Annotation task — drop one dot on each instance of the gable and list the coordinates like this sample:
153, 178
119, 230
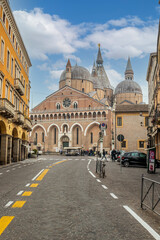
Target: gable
68, 95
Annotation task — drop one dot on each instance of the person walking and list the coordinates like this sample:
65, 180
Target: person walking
104, 154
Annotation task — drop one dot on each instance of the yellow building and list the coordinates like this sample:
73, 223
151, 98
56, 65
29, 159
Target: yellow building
153, 79
14, 89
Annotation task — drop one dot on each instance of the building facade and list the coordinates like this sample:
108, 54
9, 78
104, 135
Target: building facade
14, 89
71, 116
130, 114
153, 78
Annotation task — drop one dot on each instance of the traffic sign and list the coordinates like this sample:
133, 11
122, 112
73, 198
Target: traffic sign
120, 138
103, 126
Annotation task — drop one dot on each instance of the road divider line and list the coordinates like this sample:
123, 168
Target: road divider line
104, 187
37, 175
92, 174
1, 173
8, 204
8, 171
98, 180
143, 223
27, 194
28, 184
18, 204
42, 175
4, 222
34, 185
113, 195
20, 193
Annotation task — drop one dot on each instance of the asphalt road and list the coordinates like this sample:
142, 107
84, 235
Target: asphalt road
62, 198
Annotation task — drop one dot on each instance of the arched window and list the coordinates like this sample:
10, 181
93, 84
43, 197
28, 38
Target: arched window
91, 137
77, 135
43, 137
58, 106
75, 105
55, 136
35, 140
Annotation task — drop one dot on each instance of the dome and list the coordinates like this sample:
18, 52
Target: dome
77, 72
128, 86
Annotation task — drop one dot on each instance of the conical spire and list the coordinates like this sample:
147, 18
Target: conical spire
129, 71
94, 70
99, 57
129, 66
68, 64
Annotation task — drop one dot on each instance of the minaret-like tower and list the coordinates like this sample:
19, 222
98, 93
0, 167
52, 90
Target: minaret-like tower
94, 70
68, 73
129, 74
99, 60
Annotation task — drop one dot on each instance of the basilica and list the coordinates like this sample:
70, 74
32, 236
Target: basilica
71, 116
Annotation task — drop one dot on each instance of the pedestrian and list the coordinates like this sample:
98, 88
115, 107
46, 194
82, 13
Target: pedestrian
113, 154
104, 154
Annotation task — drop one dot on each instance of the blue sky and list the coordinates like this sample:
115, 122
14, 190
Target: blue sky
56, 30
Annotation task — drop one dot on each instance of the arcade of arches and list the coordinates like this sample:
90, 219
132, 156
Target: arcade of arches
13, 143
50, 137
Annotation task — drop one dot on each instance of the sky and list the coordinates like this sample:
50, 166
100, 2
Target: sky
55, 30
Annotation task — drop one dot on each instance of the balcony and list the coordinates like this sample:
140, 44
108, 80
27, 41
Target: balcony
27, 124
6, 108
19, 86
18, 118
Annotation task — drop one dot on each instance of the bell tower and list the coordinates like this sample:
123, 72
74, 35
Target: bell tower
68, 73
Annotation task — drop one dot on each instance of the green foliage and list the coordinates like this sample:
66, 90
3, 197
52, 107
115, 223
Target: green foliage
35, 151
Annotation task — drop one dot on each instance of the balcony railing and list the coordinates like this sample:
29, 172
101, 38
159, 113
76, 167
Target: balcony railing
70, 110
18, 118
19, 86
27, 124
6, 108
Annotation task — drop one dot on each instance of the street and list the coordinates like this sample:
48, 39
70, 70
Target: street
58, 197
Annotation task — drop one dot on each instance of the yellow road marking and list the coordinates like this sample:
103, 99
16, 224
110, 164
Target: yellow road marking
27, 193
4, 222
18, 204
42, 175
34, 185
59, 162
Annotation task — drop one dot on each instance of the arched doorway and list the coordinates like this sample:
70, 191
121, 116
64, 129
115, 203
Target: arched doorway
65, 141
15, 154
3, 143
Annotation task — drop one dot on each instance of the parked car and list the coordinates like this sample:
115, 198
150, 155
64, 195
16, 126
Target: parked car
134, 158
119, 157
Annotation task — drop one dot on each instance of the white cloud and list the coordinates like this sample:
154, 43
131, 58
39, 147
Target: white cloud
46, 35
114, 77
124, 42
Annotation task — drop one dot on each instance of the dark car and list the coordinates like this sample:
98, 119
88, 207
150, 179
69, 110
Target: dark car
134, 158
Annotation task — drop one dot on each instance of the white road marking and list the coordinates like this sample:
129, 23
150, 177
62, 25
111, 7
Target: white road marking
8, 171
24, 165
13, 169
20, 193
98, 180
113, 195
76, 159
1, 173
92, 174
8, 204
143, 223
37, 175
83, 159
104, 187
28, 184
